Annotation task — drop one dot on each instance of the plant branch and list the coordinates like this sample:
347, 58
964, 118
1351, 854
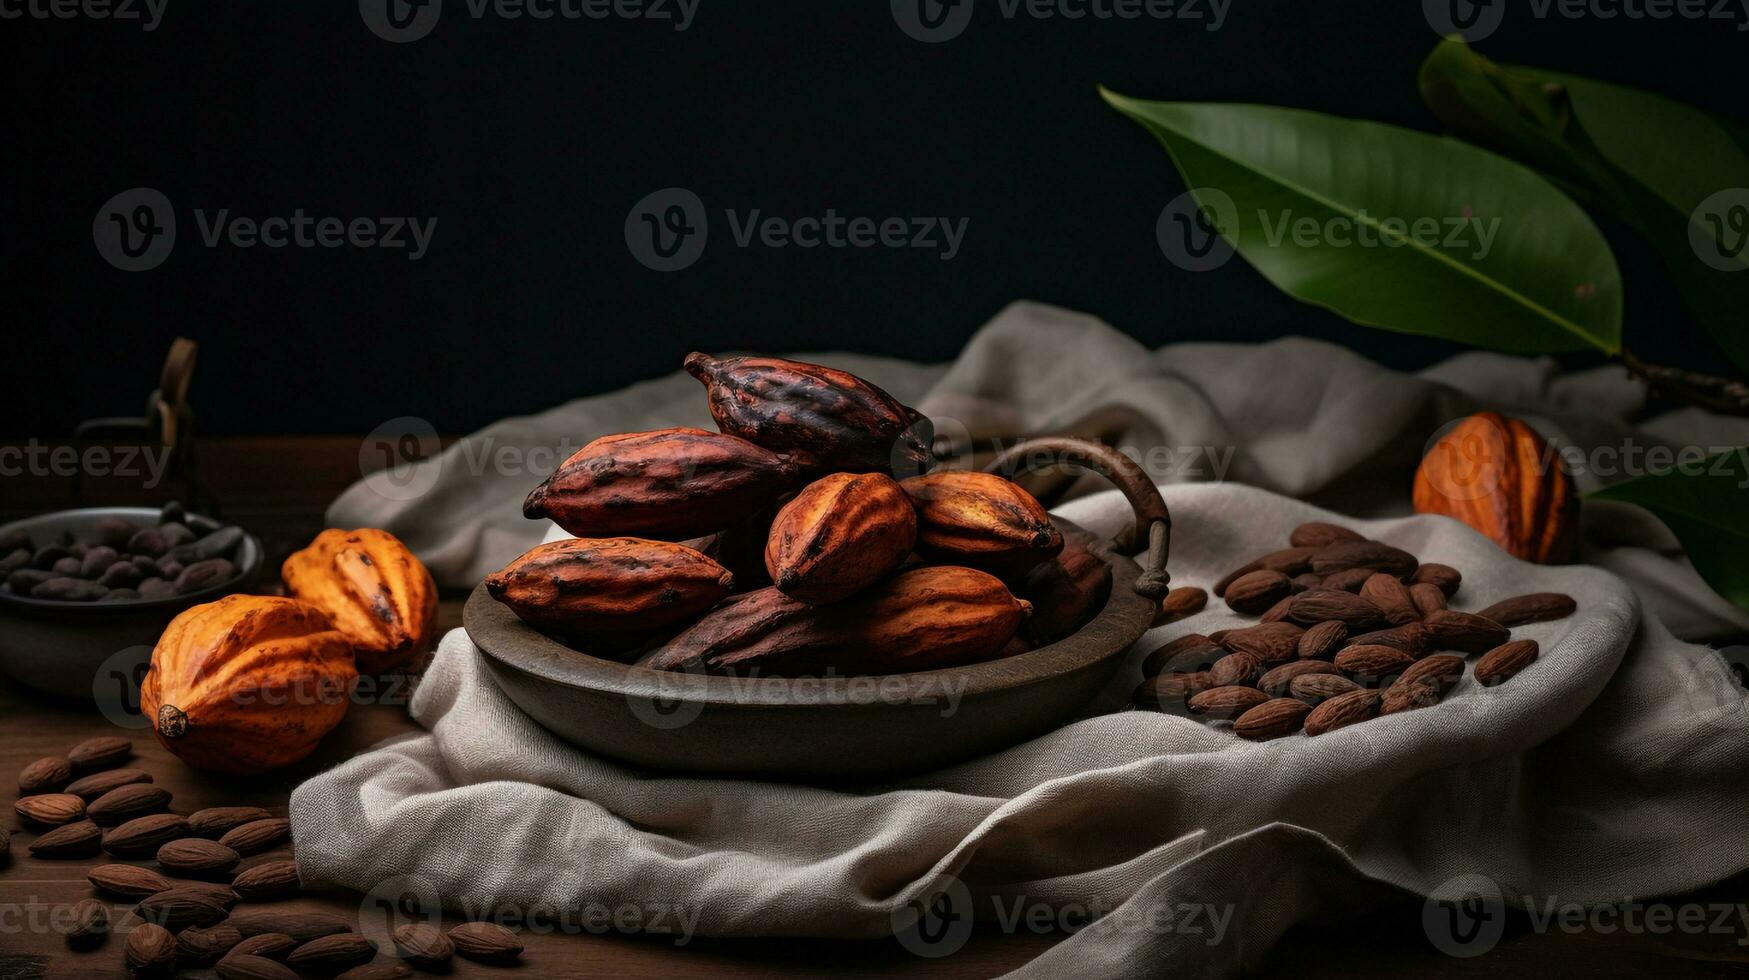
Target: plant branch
1722, 395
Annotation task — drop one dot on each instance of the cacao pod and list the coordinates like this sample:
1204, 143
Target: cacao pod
374, 590
937, 616
831, 420
1065, 592
609, 593
740, 548
1499, 476
982, 521
248, 683
670, 484
841, 534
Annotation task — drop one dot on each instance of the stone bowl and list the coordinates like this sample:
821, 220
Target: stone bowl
833, 728
96, 651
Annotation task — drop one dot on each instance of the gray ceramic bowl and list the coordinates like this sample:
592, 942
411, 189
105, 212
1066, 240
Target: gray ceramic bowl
843, 728
831, 728
85, 650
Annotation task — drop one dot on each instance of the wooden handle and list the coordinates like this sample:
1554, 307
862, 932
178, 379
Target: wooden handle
1153, 527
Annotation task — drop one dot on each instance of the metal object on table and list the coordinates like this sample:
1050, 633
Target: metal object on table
167, 423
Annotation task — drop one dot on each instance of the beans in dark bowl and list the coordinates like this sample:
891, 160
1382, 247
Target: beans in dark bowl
120, 560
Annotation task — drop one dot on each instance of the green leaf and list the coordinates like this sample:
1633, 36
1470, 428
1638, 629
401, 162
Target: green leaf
1704, 507
1658, 165
1514, 264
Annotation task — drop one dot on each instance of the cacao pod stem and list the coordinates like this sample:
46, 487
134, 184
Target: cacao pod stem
172, 721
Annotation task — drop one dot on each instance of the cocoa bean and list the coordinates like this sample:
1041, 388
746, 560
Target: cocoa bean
69, 590
204, 574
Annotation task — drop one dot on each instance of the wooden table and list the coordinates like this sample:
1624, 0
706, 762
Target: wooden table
279, 487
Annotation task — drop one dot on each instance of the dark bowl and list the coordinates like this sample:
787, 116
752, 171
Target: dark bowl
830, 728
82, 649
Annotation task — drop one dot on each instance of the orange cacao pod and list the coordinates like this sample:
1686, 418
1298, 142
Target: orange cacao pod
983, 521
832, 420
1499, 476
922, 619
841, 534
248, 683
373, 590
609, 593
670, 484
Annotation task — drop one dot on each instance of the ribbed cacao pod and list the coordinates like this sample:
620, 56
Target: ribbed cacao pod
831, 420
740, 548
374, 590
982, 521
841, 534
937, 616
670, 484
1065, 592
248, 683
609, 593
1499, 476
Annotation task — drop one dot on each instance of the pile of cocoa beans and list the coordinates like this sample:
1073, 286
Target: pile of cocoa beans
1351, 629
806, 536
118, 560
205, 889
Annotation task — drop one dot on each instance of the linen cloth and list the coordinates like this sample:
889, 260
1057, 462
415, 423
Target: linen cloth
1613, 767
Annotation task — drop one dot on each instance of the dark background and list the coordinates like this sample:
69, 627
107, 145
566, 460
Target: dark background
529, 141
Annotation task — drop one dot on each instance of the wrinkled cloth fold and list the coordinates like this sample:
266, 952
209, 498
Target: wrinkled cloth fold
1611, 767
